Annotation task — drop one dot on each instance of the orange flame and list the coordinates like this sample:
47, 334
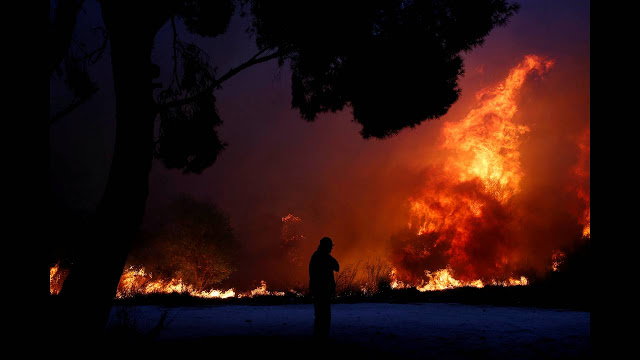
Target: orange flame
261, 291
557, 258
136, 281
442, 279
485, 143
483, 168
56, 279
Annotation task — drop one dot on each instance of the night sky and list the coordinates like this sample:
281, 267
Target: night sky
342, 186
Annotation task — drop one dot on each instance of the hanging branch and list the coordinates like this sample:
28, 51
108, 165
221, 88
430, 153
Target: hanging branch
254, 60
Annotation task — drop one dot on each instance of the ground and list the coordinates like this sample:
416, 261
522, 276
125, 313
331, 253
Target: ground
434, 330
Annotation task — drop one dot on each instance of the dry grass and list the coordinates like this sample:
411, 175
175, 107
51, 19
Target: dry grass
364, 277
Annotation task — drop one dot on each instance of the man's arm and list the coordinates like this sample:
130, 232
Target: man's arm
335, 266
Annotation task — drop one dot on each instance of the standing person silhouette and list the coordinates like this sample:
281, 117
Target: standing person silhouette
322, 286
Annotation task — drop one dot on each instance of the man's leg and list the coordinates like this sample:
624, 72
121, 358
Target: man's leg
325, 317
322, 323
317, 318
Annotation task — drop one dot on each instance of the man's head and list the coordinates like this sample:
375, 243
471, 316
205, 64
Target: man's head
326, 244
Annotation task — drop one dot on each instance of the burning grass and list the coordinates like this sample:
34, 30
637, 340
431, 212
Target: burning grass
136, 281
566, 287
549, 294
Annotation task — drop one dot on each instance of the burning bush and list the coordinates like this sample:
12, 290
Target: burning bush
197, 247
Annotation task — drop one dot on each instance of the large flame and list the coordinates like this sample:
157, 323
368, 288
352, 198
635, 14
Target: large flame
485, 143
469, 194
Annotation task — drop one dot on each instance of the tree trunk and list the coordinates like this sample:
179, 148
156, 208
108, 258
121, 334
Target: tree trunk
89, 290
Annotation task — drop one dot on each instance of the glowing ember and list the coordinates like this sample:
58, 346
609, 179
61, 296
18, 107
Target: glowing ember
290, 218
557, 258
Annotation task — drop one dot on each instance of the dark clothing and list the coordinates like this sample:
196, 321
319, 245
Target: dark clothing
321, 268
322, 286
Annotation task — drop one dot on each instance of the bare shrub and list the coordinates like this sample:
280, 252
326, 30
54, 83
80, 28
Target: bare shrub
377, 273
368, 277
346, 279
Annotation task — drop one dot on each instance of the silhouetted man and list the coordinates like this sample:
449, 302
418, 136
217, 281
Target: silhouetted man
322, 286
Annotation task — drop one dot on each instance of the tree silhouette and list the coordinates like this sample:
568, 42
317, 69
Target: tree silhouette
396, 63
196, 245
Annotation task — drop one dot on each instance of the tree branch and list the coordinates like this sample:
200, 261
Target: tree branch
254, 60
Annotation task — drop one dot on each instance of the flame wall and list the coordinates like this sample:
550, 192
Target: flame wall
469, 215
